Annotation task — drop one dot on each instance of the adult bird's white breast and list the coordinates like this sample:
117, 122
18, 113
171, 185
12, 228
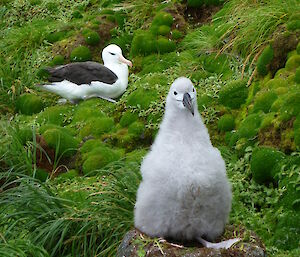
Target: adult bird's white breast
184, 193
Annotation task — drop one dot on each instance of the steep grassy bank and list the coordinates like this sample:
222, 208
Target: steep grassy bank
69, 173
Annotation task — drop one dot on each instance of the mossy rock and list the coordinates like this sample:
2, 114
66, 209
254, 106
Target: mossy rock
136, 129
264, 101
263, 160
81, 54
89, 145
293, 25
165, 45
162, 30
290, 106
286, 234
250, 125
99, 157
277, 82
70, 174
293, 62
92, 38
63, 143
162, 18
29, 104
297, 75
226, 123
128, 118
176, 34
46, 126
162, 62
268, 120
58, 115
143, 43
234, 94
264, 59
84, 113
57, 60
97, 127
55, 36
142, 98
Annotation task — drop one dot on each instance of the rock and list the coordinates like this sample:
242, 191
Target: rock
136, 244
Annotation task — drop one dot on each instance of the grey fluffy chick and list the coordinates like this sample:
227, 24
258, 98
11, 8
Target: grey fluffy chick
184, 193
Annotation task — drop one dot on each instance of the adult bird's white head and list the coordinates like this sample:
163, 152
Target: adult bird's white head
113, 54
182, 96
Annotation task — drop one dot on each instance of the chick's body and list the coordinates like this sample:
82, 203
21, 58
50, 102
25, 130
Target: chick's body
184, 193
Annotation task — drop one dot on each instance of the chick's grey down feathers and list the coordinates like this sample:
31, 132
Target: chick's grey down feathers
184, 193
82, 73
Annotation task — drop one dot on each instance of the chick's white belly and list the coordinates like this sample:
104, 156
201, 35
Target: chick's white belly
182, 208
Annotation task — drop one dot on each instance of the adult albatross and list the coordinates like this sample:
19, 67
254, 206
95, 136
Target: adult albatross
84, 80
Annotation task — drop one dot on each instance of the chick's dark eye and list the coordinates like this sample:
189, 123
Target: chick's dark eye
112, 53
193, 89
175, 93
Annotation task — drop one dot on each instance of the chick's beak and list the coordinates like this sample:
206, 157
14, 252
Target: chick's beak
187, 102
123, 60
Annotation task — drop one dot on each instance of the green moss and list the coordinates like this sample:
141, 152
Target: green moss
287, 231
162, 18
250, 125
46, 127
268, 120
58, 115
29, 104
264, 101
92, 38
234, 94
199, 3
80, 54
297, 75
58, 60
136, 155
200, 74
142, 97
205, 101
137, 128
226, 123
176, 34
298, 49
77, 15
262, 162
63, 143
99, 158
165, 45
276, 82
70, 174
290, 106
128, 118
164, 30
293, 25
162, 62
297, 137
143, 43
97, 126
89, 145
293, 62
55, 36
264, 59
42, 73
277, 104
84, 113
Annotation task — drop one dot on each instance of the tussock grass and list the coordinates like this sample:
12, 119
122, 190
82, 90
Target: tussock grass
80, 226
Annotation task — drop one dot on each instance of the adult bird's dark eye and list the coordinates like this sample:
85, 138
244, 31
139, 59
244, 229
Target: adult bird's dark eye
175, 93
112, 53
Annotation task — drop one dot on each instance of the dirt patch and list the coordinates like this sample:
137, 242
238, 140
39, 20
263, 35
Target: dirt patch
177, 11
200, 15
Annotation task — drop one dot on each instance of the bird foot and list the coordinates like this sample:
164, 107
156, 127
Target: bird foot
224, 244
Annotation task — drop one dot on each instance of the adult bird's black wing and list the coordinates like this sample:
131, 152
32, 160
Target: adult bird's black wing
82, 73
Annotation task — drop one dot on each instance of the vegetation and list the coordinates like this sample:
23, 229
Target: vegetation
69, 173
